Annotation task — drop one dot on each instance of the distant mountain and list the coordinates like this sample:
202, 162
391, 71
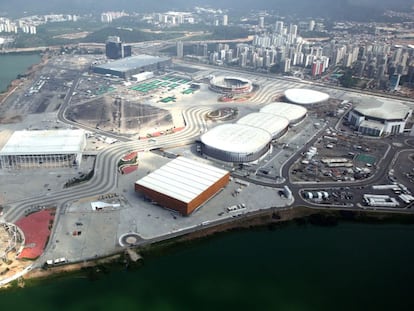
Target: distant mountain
334, 8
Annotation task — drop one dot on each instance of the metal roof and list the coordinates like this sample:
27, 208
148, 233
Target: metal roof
269, 122
290, 111
305, 96
237, 138
182, 179
45, 142
132, 62
383, 109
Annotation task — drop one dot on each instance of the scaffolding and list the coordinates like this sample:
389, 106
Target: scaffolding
10, 239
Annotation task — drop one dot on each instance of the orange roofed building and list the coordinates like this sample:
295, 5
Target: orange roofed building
183, 184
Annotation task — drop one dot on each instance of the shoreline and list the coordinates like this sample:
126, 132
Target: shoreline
270, 220
20, 78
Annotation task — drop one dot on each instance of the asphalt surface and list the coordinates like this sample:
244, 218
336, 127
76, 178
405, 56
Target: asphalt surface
105, 179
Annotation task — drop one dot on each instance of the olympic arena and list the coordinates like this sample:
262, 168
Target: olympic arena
276, 125
230, 85
305, 96
379, 117
250, 137
293, 113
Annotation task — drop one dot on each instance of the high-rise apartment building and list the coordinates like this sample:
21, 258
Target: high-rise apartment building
180, 49
261, 22
225, 20
116, 49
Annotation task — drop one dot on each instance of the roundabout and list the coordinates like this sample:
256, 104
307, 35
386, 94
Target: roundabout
129, 239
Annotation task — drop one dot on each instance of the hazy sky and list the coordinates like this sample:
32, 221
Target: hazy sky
283, 6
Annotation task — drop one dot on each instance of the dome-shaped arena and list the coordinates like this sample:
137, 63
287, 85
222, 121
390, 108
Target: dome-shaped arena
380, 117
230, 85
275, 125
383, 110
235, 143
305, 96
293, 113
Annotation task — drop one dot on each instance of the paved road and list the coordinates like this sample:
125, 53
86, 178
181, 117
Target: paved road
105, 175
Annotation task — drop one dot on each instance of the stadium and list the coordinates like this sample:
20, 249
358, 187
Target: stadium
127, 67
230, 85
182, 184
31, 149
236, 143
276, 125
379, 117
250, 138
293, 113
305, 96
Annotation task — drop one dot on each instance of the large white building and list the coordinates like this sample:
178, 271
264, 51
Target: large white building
275, 125
305, 96
236, 143
293, 113
56, 148
379, 117
250, 138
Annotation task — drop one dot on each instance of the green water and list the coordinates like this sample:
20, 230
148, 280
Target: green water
348, 267
13, 64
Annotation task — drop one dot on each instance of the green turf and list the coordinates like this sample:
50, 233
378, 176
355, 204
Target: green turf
366, 158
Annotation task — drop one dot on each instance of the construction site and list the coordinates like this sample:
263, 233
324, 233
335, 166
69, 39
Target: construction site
117, 115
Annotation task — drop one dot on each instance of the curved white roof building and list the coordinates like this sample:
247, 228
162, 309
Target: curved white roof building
383, 110
379, 117
236, 143
293, 113
305, 96
275, 125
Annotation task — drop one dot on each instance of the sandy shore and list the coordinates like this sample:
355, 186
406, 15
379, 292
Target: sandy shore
46, 273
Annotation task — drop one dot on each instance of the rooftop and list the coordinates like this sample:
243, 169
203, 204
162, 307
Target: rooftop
289, 111
383, 109
182, 179
132, 62
44, 142
237, 138
272, 123
305, 96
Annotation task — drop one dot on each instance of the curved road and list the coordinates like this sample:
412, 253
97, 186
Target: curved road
105, 175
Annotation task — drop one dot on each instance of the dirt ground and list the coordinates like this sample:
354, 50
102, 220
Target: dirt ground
117, 115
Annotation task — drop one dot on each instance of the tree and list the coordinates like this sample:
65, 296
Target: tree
347, 80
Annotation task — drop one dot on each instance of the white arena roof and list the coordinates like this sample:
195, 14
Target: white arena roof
45, 142
292, 112
236, 138
268, 122
383, 109
182, 179
305, 96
